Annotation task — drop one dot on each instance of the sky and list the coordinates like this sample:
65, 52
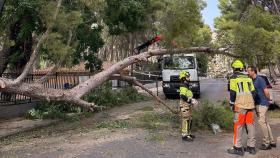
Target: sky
210, 12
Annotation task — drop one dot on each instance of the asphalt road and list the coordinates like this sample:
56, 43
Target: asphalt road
214, 89
211, 89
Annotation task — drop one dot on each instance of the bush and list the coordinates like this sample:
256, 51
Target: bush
45, 110
105, 96
209, 113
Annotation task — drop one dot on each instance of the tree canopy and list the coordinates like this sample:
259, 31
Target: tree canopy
251, 29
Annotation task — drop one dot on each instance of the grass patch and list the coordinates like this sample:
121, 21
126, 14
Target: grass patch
157, 121
274, 113
147, 108
123, 124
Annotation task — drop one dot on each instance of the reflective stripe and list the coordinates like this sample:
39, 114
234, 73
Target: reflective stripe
241, 84
231, 102
249, 86
240, 87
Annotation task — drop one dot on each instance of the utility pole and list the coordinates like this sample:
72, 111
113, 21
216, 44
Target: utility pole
2, 2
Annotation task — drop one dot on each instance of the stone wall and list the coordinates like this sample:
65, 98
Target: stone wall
219, 66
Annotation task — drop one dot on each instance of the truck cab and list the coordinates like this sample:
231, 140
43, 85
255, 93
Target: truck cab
172, 65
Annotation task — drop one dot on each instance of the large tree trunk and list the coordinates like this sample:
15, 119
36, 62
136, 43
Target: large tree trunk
74, 95
276, 8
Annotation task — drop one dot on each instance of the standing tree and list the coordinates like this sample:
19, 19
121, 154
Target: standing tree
249, 28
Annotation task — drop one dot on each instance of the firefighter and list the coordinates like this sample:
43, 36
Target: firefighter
242, 94
186, 100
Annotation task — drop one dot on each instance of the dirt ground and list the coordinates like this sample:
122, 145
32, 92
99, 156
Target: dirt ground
108, 134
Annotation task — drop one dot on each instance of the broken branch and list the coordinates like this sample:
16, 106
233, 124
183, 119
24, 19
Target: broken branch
133, 80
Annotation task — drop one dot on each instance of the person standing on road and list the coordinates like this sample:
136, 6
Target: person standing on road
242, 102
186, 99
262, 102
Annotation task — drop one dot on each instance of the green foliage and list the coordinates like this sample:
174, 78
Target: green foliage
26, 10
180, 21
81, 26
46, 110
124, 16
202, 61
203, 38
89, 39
105, 96
72, 36
209, 113
274, 113
158, 121
251, 29
19, 20
113, 124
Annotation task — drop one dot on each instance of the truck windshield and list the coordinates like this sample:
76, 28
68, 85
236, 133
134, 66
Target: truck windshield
179, 62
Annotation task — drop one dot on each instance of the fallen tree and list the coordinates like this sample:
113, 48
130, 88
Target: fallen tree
74, 95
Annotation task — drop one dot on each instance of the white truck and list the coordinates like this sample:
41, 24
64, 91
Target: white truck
172, 65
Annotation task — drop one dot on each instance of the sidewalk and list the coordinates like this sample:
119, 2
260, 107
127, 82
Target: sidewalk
13, 126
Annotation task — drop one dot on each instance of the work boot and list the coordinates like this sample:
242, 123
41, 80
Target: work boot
187, 138
265, 147
236, 151
273, 145
251, 150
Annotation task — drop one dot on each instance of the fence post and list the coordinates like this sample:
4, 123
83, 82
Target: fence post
157, 84
32, 78
55, 84
15, 101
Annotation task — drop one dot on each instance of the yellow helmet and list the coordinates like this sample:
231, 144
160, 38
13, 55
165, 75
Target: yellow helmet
237, 64
184, 74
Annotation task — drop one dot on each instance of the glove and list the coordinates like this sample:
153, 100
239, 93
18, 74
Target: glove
194, 102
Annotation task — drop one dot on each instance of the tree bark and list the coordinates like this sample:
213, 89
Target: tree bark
103, 76
276, 8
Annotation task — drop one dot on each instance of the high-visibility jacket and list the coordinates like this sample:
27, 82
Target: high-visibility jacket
185, 93
241, 91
